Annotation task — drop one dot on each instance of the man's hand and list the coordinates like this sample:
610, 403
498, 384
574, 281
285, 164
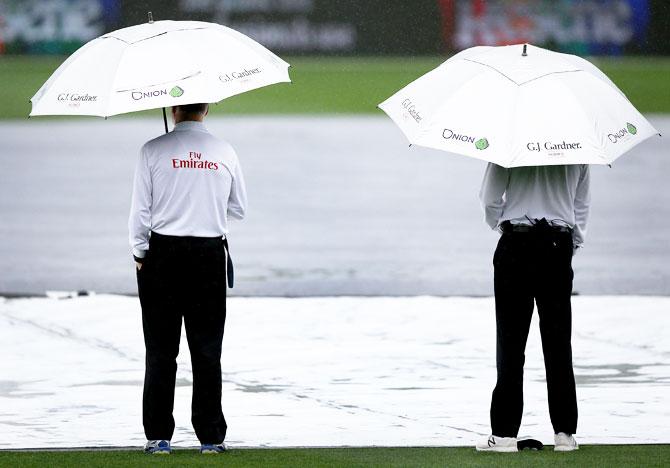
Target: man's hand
139, 261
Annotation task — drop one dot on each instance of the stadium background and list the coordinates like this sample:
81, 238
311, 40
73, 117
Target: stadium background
354, 27
347, 56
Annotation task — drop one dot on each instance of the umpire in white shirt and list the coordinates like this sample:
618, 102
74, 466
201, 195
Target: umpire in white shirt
542, 214
187, 185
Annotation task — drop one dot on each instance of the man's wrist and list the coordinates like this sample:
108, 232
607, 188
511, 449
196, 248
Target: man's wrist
139, 255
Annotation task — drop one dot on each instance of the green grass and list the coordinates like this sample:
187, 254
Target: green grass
587, 456
338, 85
645, 81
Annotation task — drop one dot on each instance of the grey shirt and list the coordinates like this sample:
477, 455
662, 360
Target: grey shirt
561, 194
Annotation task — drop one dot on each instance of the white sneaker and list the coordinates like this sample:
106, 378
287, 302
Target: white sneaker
564, 442
497, 444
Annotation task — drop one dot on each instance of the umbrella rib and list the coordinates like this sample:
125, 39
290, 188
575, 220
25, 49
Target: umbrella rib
151, 37
163, 33
552, 73
114, 37
113, 82
492, 68
524, 82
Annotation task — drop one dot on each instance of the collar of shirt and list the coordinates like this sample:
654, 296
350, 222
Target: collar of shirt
190, 125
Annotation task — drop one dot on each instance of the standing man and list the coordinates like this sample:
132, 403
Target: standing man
187, 185
542, 214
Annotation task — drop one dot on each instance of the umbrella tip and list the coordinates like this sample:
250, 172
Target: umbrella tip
151, 17
523, 54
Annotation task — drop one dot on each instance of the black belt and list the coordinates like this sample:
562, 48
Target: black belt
509, 227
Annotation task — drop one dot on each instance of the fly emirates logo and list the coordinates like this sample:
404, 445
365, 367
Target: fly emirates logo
194, 161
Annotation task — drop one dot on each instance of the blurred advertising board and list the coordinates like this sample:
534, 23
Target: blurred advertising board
357, 27
299, 26
54, 26
585, 27
317, 27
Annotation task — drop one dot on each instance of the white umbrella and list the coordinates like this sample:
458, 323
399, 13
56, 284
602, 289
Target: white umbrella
158, 64
519, 105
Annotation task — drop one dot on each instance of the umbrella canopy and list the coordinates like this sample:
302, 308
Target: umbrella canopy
158, 64
519, 105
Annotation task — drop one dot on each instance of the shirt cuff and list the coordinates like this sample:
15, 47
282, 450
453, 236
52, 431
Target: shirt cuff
139, 254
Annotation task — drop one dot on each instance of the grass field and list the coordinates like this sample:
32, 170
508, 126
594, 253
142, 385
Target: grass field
588, 456
338, 85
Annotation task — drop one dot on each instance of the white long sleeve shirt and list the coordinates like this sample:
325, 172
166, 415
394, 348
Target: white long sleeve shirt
187, 183
561, 194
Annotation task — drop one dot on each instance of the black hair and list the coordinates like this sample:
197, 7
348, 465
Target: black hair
191, 109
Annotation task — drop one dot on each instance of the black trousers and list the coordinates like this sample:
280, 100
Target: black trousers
183, 277
533, 266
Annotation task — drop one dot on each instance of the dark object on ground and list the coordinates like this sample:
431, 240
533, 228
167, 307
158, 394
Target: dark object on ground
529, 444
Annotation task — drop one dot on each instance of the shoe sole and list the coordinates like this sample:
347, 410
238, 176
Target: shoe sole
159, 452
565, 449
212, 452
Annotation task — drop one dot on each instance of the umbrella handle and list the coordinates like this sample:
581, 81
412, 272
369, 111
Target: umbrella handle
165, 120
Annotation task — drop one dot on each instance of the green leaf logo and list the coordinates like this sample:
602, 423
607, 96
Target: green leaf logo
631, 128
482, 144
176, 91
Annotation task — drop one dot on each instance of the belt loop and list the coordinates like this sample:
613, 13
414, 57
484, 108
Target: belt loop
229, 264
